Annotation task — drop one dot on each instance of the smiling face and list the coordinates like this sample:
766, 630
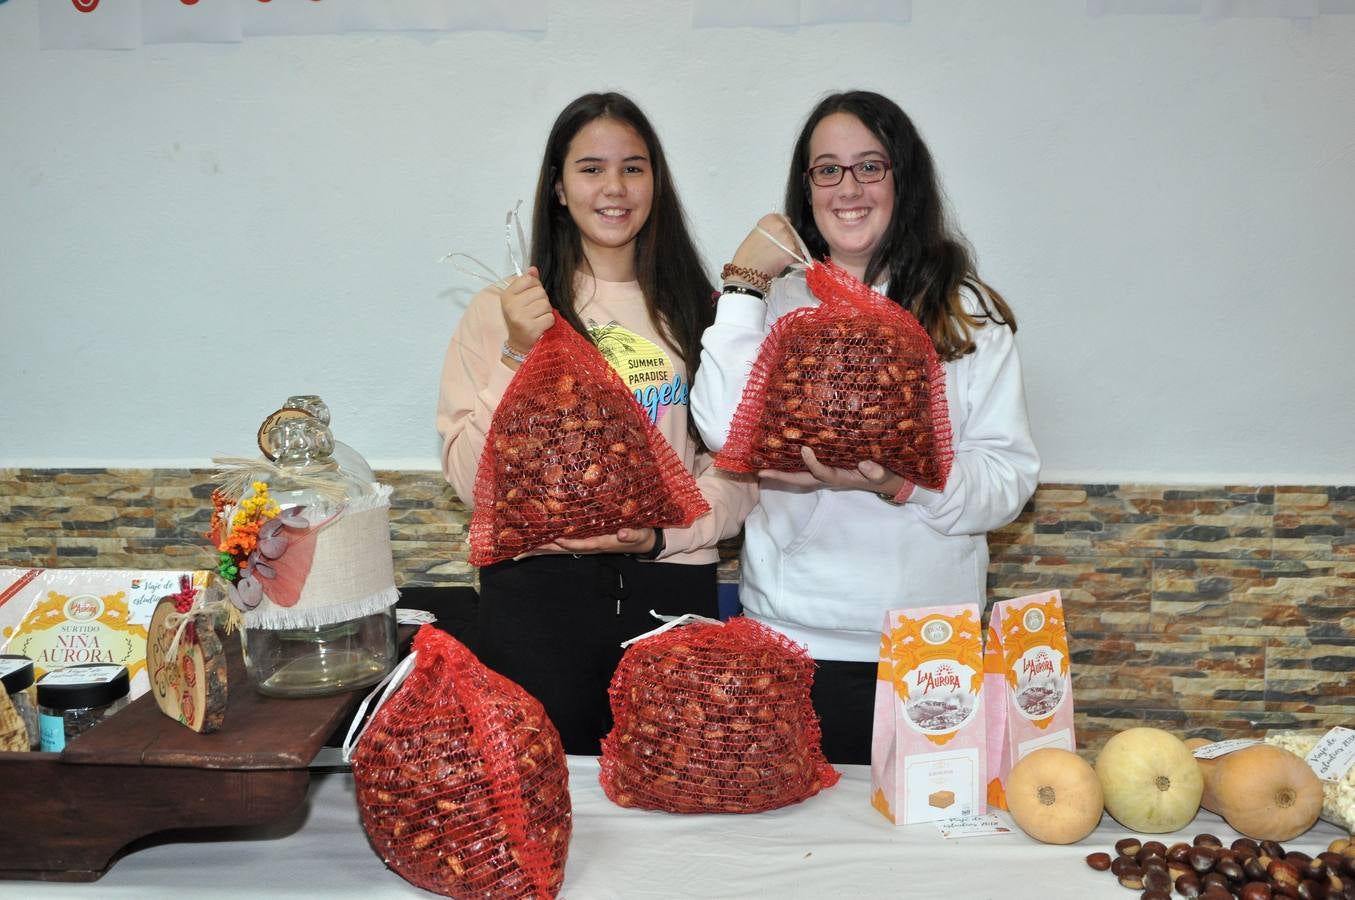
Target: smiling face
852, 217
607, 183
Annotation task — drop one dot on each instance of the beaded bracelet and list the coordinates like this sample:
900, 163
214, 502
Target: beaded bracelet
513, 354
760, 280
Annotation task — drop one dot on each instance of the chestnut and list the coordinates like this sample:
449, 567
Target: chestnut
1099, 861
1282, 872
1128, 846
1132, 878
1188, 885
1231, 870
1312, 890
1201, 858
1157, 880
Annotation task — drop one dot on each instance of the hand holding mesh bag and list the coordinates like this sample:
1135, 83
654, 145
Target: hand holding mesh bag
461, 780
713, 717
571, 454
855, 378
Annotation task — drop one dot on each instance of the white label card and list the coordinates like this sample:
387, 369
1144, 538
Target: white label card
1334, 754
13, 664
1220, 748
82, 675
972, 826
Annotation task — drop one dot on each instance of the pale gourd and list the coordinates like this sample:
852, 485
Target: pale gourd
1054, 796
1263, 792
1150, 780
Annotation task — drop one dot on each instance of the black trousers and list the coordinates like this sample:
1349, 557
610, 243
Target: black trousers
844, 698
554, 624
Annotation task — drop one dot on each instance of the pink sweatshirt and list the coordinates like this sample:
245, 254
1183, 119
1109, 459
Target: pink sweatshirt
474, 379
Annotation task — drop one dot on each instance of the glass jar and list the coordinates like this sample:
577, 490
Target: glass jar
349, 460
339, 633
75, 699
16, 676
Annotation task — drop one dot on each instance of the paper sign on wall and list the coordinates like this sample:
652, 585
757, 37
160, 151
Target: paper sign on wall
177, 22
443, 15
89, 24
754, 13
127, 24
291, 17
825, 12
793, 13
1143, 7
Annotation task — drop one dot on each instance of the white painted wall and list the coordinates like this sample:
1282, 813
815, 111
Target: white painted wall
189, 233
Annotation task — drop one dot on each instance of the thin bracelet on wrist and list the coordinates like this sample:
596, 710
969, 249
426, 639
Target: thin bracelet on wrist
512, 354
731, 288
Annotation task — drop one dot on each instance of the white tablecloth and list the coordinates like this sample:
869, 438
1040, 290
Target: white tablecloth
832, 845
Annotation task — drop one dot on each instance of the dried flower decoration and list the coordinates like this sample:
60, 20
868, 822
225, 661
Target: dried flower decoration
248, 538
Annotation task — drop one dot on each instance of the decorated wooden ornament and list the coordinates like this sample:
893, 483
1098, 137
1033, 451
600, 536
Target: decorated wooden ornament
186, 661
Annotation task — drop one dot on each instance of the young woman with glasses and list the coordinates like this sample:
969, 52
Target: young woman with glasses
828, 551
610, 252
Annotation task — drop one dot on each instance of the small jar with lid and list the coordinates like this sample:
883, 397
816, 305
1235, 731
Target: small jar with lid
75, 699
16, 675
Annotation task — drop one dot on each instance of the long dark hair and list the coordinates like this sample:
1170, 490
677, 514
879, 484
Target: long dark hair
925, 259
671, 275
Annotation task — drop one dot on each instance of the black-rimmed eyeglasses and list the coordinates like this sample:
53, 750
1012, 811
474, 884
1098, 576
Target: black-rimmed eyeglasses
867, 171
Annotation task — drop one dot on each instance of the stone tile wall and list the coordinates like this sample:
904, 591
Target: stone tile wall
1217, 611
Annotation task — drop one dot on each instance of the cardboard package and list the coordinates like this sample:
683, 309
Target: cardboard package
927, 757
1027, 685
59, 617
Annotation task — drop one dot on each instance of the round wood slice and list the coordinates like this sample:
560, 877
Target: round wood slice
190, 687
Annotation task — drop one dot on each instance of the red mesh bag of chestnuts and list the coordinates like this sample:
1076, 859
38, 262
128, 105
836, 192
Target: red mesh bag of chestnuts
571, 454
713, 717
855, 378
461, 780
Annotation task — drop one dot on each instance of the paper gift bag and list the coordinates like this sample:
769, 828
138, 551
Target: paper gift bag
927, 749
1027, 683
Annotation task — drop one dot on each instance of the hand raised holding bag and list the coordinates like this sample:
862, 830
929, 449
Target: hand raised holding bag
526, 311
761, 255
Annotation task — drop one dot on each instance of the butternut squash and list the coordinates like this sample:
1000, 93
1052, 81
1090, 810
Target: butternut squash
1263, 792
1054, 796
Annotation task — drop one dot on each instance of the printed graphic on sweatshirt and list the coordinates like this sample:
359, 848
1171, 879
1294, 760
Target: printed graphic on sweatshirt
644, 367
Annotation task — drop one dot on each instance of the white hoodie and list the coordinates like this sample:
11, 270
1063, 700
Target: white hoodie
822, 566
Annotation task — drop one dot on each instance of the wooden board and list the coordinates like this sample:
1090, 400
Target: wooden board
69, 823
